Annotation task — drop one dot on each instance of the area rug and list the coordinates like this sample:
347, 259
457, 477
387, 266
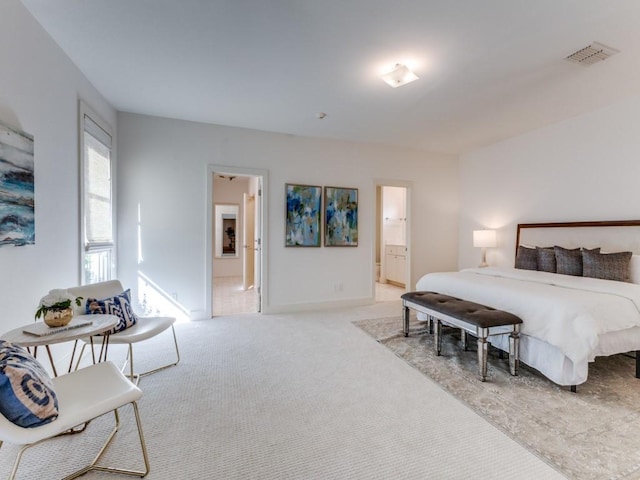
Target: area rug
591, 434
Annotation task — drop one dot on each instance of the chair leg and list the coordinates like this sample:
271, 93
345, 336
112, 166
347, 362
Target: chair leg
93, 465
12, 475
132, 374
101, 468
135, 377
172, 364
14, 470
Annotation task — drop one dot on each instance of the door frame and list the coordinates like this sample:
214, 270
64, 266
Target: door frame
380, 182
263, 176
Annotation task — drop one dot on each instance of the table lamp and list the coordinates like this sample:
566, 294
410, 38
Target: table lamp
484, 239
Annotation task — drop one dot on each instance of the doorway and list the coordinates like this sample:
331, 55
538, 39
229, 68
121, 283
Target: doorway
236, 247
392, 246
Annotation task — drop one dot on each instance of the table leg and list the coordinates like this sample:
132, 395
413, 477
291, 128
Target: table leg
73, 354
53, 365
104, 348
93, 352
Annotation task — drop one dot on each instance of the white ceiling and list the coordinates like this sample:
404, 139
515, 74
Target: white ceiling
489, 69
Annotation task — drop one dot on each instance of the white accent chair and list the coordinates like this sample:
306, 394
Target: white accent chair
145, 328
83, 395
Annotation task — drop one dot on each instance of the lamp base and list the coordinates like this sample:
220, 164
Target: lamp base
484, 258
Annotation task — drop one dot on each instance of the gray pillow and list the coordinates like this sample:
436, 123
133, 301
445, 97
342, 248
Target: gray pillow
546, 259
526, 258
607, 266
568, 261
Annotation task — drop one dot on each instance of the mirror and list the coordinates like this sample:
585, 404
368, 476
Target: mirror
226, 244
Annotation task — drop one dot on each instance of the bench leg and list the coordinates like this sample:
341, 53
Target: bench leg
514, 350
438, 336
405, 320
483, 349
463, 339
431, 320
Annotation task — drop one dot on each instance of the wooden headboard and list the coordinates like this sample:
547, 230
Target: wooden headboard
611, 236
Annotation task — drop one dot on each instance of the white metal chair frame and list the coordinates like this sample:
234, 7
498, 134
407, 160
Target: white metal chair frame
83, 395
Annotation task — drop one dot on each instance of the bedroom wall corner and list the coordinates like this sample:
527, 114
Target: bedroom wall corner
582, 169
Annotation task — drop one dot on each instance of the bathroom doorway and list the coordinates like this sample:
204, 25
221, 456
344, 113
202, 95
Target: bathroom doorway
392, 245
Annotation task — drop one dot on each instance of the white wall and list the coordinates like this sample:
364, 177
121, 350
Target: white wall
585, 168
39, 92
162, 168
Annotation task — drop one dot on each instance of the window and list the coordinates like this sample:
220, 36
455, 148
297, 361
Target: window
98, 249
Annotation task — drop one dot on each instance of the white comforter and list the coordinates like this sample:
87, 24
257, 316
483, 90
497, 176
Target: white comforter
565, 311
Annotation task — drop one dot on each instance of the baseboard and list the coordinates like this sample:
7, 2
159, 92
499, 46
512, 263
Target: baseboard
304, 307
198, 315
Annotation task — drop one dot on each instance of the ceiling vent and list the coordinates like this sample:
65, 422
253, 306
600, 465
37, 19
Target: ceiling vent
596, 52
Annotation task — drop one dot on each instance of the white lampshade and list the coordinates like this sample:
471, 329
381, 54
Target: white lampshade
484, 238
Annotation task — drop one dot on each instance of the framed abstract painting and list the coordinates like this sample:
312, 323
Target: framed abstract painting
340, 217
17, 214
303, 211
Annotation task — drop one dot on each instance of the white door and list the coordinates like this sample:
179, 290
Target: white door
249, 227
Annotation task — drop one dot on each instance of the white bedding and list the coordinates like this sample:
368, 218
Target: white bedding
565, 318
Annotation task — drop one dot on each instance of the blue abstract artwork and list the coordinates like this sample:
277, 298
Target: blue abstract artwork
17, 216
341, 217
304, 206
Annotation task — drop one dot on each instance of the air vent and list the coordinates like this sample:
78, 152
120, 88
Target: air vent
596, 52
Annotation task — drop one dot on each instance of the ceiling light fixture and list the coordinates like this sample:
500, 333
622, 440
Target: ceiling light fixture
399, 75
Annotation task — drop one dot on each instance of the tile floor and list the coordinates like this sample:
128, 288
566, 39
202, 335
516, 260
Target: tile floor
385, 292
229, 298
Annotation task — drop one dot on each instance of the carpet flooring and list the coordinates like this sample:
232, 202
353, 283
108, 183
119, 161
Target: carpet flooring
285, 397
591, 434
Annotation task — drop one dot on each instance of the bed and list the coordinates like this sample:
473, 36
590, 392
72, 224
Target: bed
568, 319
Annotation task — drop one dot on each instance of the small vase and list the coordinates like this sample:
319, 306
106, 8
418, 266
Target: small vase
58, 318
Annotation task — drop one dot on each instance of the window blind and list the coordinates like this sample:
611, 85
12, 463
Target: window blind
97, 186
97, 132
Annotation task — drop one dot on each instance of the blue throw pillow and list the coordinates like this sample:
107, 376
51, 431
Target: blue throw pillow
27, 397
120, 306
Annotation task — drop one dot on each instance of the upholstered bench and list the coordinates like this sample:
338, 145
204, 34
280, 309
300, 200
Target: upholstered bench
474, 318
